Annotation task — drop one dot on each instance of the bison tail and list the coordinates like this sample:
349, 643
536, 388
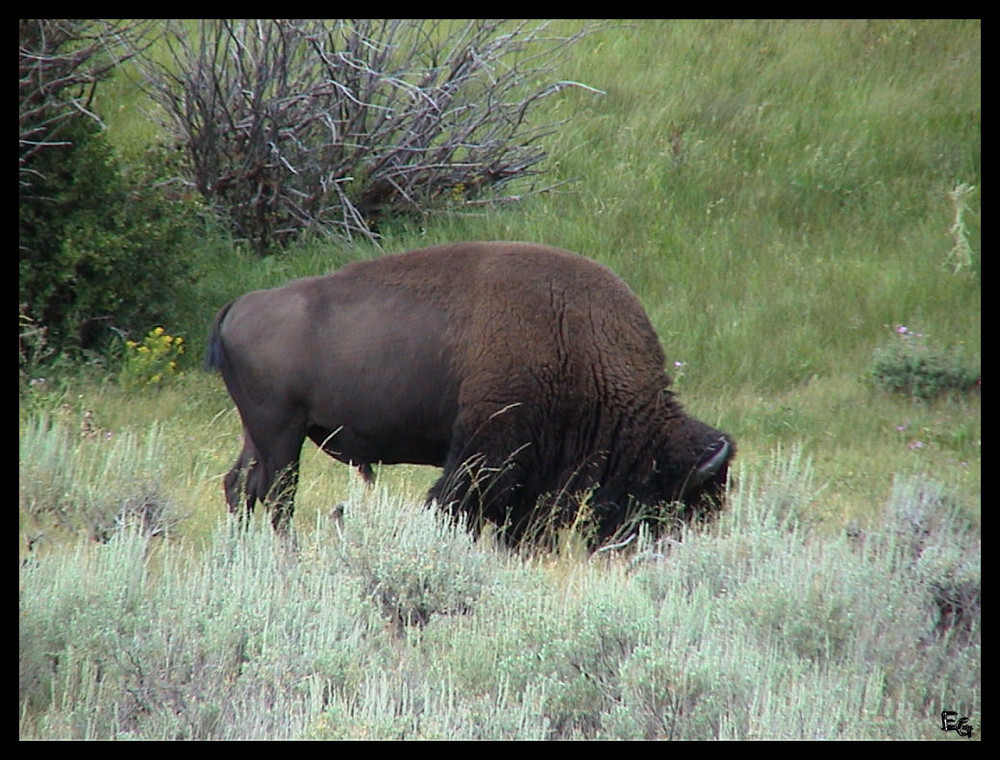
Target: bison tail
215, 352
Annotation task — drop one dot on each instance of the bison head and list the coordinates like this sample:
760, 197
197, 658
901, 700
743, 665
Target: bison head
684, 482
692, 468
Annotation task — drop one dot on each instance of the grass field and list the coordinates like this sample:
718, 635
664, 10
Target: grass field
790, 201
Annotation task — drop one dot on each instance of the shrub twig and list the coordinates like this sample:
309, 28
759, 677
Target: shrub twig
296, 126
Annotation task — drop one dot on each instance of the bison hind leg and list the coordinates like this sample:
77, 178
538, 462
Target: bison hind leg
270, 479
367, 473
241, 484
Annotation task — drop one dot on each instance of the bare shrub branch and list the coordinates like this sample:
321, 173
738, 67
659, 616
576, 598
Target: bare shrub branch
330, 125
60, 62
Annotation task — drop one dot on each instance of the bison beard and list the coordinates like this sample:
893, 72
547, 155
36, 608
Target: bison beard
532, 375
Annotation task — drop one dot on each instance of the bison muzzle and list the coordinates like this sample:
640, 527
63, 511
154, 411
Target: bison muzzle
532, 375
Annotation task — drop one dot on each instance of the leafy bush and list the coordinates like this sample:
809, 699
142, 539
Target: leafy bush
916, 369
236, 642
93, 482
414, 561
152, 362
99, 247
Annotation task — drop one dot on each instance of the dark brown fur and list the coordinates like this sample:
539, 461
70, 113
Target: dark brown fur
524, 371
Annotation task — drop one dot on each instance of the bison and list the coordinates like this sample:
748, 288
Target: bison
531, 374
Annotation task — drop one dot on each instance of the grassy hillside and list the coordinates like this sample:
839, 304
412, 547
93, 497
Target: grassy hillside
778, 195
793, 202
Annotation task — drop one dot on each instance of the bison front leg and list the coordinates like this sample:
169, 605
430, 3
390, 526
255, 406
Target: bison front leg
484, 487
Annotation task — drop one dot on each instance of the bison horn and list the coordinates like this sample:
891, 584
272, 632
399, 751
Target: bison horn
710, 467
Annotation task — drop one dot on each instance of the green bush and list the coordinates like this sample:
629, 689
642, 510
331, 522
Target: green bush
250, 645
96, 482
916, 369
100, 247
153, 361
415, 562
